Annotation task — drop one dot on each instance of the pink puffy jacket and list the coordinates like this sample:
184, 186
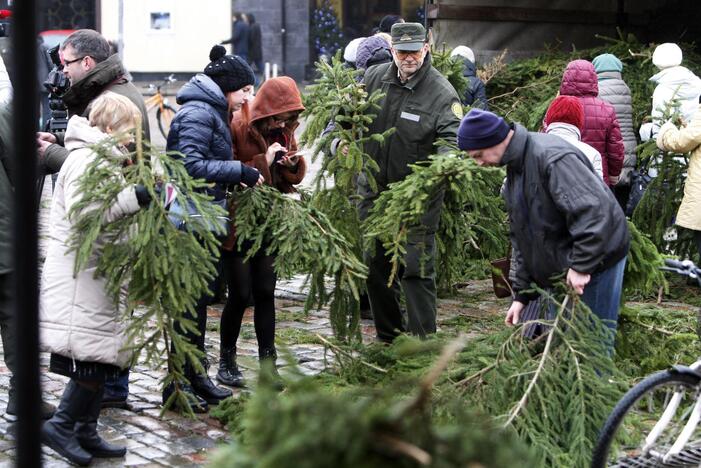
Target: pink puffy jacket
601, 129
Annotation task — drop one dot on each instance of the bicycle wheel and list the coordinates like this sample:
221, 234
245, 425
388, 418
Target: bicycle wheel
164, 118
625, 438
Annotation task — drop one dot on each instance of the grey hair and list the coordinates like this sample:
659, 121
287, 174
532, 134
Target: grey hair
87, 42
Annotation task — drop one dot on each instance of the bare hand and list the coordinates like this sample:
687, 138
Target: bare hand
514, 313
289, 160
41, 146
260, 181
577, 281
613, 180
270, 153
45, 136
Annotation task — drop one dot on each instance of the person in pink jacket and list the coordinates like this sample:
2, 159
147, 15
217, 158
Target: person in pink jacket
601, 129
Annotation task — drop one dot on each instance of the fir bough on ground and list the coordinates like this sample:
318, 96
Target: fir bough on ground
533, 388
166, 269
652, 338
316, 427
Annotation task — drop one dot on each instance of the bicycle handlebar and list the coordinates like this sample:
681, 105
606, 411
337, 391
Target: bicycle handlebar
683, 267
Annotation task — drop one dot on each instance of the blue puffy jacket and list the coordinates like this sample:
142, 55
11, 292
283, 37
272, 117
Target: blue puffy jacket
201, 132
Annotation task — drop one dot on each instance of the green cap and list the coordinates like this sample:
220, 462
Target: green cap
408, 36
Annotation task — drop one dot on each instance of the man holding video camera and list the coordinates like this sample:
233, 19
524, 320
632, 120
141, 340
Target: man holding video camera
91, 70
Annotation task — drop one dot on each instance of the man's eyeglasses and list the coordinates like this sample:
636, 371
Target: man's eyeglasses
402, 54
68, 62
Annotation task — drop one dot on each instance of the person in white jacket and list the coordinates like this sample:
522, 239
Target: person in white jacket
565, 118
678, 88
80, 324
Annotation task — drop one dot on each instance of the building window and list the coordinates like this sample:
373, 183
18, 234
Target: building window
160, 21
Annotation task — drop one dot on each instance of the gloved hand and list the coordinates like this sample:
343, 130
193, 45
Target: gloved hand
142, 196
249, 175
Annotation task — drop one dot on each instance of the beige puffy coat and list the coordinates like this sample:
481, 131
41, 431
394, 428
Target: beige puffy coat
77, 318
683, 140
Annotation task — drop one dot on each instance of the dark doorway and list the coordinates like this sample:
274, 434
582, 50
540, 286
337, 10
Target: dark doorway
361, 16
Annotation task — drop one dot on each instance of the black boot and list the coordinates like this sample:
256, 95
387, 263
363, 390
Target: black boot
197, 404
268, 369
47, 409
86, 432
59, 431
205, 388
229, 373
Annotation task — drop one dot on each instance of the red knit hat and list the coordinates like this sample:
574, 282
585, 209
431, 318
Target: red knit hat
566, 109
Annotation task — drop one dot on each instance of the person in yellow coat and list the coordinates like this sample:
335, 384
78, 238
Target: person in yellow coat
683, 140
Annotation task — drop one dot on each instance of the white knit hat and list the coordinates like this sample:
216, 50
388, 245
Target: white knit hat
667, 55
351, 49
464, 51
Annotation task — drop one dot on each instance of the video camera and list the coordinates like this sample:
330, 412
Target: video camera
57, 84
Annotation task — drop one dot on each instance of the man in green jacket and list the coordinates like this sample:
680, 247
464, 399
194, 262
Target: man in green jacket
423, 107
91, 70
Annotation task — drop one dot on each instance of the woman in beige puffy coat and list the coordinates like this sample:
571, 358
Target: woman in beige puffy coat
80, 325
683, 140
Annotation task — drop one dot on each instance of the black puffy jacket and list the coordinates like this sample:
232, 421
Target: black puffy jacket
562, 214
201, 132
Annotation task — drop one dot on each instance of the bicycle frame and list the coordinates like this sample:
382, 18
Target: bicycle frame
661, 425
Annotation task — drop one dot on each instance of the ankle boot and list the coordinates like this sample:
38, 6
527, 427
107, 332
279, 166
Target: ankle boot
197, 404
47, 410
86, 432
205, 388
268, 369
229, 373
59, 431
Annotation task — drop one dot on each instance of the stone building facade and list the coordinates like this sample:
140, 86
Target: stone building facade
274, 18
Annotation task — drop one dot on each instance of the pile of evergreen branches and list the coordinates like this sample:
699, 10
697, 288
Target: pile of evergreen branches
529, 387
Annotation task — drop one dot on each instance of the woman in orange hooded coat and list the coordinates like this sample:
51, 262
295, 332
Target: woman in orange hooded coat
263, 137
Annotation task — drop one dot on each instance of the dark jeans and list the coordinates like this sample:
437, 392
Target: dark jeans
117, 389
9, 343
697, 239
417, 279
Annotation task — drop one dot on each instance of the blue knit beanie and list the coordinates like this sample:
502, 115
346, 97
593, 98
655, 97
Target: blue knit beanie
481, 129
607, 62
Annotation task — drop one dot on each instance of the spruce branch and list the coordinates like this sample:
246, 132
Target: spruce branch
154, 273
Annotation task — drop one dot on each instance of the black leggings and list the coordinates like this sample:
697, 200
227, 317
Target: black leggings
256, 275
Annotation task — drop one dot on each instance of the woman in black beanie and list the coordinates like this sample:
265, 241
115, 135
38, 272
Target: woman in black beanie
200, 131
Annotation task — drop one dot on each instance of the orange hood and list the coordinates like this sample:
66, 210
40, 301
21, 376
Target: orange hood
276, 96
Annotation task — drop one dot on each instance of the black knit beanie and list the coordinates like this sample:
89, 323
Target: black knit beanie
229, 72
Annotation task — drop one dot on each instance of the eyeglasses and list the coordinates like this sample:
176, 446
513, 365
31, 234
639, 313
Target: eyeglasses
287, 120
402, 54
68, 62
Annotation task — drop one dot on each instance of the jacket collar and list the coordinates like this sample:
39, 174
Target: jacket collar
391, 75
564, 130
93, 84
516, 151
609, 75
